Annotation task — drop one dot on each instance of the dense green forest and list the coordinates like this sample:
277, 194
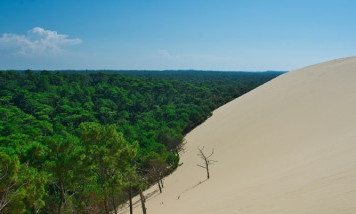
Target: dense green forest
84, 142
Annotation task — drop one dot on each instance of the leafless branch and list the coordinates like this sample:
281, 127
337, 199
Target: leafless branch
201, 166
7, 169
206, 159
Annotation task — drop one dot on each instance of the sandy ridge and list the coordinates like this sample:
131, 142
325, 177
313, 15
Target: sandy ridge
288, 146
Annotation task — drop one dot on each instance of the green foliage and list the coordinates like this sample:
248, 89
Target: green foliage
109, 156
75, 142
65, 164
21, 187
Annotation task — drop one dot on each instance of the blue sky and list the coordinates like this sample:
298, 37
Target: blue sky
174, 34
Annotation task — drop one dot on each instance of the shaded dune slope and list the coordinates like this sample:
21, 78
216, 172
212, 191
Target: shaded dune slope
288, 146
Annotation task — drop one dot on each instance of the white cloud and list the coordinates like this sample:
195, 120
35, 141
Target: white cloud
37, 41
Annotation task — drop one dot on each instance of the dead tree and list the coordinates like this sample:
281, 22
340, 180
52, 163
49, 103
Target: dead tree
159, 170
180, 147
206, 159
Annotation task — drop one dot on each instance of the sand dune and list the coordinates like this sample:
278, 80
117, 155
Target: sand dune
288, 146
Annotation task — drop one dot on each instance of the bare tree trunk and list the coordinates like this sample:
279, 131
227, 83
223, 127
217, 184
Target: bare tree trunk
59, 207
130, 199
114, 203
62, 198
106, 203
162, 183
33, 208
143, 202
207, 170
159, 186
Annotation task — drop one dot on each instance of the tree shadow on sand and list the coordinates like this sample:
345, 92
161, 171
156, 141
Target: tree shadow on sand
192, 187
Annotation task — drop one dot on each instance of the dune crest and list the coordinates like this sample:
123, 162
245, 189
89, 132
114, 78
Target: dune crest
288, 146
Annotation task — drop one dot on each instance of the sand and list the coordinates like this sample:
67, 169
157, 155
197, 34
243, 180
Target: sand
288, 146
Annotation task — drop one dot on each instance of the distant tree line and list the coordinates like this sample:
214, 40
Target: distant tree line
87, 142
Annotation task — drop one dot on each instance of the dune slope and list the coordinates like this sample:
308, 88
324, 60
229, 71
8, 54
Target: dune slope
288, 146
